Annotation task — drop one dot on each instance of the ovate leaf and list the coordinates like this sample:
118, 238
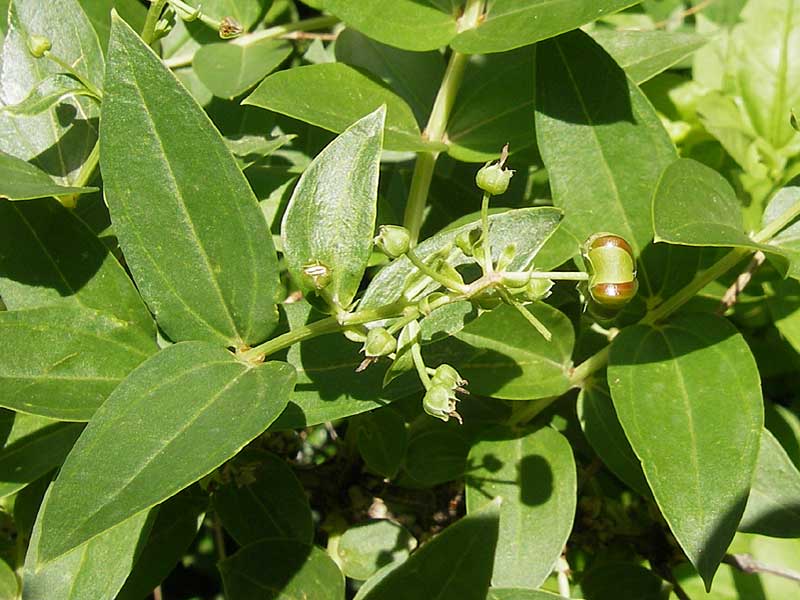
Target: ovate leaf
645, 54
534, 474
20, 180
510, 24
366, 547
436, 453
382, 441
331, 216
670, 384
455, 565
605, 435
186, 219
787, 240
621, 580
502, 355
589, 113
333, 96
262, 570
58, 140
773, 507
153, 435
408, 24
230, 69
694, 205
414, 76
263, 499
96, 569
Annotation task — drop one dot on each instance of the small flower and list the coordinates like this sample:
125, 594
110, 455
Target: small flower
379, 343
39, 45
494, 178
393, 240
230, 28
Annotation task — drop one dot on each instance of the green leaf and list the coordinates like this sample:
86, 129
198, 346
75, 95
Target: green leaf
694, 205
503, 356
382, 441
9, 587
436, 453
509, 24
366, 547
520, 594
62, 362
99, 13
59, 140
645, 54
601, 427
768, 70
534, 474
494, 107
784, 306
670, 384
788, 239
263, 499
621, 580
601, 141
230, 69
455, 565
34, 447
174, 528
408, 24
20, 180
333, 96
96, 569
47, 93
773, 507
246, 12
526, 228
447, 320
49, 257
184, 394
331, 216
328, 387
186, 219
294, 570
414, 76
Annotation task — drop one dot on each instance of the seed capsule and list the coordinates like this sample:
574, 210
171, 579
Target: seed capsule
612, 270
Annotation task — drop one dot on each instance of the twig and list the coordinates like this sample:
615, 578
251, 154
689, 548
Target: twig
157, 595
307, 35
737, 287
219, 537
747, 564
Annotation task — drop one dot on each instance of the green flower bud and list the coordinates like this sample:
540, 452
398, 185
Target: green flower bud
506, 256
537, 289
316, 275
466, 241
515, 280
440, 402
356, 333
39, 45
379, 342
393, 240
447, 376
494, 178
230, 28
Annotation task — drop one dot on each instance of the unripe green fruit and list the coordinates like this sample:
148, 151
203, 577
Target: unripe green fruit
439, 402
39, 45
612, 270
393, 240
494, 178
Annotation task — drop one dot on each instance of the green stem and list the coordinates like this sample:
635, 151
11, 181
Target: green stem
89, 166
153, 15
560, 275
263, 34
437, 126
322, 327
437, 277
419, 363
773, 227
488, 267
202, 17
